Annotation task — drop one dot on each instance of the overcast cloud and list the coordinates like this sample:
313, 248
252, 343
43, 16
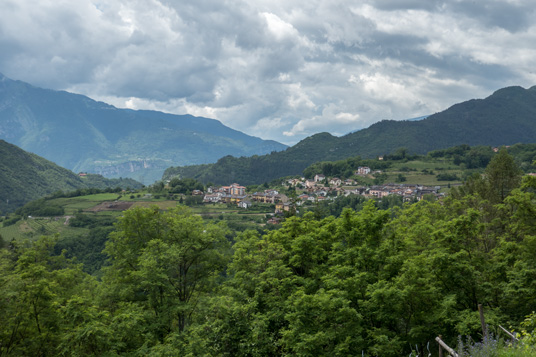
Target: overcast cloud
276, 69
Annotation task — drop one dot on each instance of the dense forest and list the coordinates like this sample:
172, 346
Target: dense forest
372, 282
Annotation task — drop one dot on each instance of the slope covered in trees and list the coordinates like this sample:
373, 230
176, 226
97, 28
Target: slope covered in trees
26, 177
504, 118
372, 283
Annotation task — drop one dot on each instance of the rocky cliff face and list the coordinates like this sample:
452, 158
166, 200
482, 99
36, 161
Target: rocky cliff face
146, 171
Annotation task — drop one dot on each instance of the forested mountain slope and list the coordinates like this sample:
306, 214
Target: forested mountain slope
25, 177
506, 117
81, 134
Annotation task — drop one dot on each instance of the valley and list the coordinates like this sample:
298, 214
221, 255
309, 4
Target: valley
258, 243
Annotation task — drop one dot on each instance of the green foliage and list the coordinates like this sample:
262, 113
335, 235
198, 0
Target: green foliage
90, 220
39, 208
165, 262
496, 347
447, 177
87, 248
184, 186
335, 208
193, 200
400, 154
471, 157
380, 178
503, 175
384, 280
524, 155
500, 177
400, 178
11, 220
93, 181
36, 287
528, 329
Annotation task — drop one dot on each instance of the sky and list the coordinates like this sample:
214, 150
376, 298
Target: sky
276, 69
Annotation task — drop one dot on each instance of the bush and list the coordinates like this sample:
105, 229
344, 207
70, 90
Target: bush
400, 178
12, 220
447, 177
491, 347
40, 208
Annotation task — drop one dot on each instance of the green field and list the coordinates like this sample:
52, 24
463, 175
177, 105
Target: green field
424, 172
439, 164
100, 197
161, 204
419, 179
35, 227
30, 228
11, 232
75, 205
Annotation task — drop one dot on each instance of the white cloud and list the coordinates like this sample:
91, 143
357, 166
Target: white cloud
338, 123
278, 27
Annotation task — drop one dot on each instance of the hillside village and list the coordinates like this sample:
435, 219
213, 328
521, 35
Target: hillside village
318, 189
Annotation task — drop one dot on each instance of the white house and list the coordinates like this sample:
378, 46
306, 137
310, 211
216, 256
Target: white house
335, 181
362, 170
319, 178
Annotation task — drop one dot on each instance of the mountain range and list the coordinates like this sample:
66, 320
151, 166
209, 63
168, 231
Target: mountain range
25, 177
506, 117
81, 134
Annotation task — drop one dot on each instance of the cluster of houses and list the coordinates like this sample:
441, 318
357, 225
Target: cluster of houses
319, 192
225, 194
408, 192
319, 189
322, 180
236, 194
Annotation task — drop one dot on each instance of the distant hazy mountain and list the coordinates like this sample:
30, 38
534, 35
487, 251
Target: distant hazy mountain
26, 177
504, 118
81, 134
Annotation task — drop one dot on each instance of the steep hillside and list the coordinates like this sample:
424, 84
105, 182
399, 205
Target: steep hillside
25, 177
259, 169
504, 118
81, 134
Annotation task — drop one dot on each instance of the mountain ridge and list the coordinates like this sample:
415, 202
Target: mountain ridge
82, 134
506, 117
